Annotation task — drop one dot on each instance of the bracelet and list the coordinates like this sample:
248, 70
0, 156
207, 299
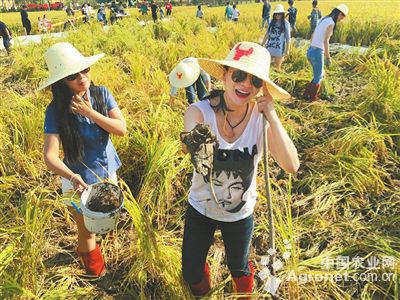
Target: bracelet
72, 177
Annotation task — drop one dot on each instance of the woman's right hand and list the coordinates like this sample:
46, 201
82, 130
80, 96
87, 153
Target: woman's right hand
78, 183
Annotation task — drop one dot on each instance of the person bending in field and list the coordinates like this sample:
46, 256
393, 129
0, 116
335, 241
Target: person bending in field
80, 118
277, 37
314, 17
6, 35
235, 120
188, 74
319, 49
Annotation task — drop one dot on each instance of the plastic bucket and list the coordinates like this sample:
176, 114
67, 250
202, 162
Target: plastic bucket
99, 222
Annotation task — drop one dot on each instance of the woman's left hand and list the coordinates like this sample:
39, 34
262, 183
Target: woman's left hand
81, 105
265, 103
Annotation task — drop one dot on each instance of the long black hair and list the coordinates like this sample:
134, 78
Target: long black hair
273, 22
71, 138
334, 15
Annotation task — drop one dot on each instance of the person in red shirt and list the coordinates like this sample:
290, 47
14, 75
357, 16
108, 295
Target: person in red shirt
168, 8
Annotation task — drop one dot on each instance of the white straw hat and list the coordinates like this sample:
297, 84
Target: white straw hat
63, 59
249, 57
343, 8
184, 74
279, 9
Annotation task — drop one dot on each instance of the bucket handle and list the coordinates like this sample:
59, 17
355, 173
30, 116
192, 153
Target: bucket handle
78, 210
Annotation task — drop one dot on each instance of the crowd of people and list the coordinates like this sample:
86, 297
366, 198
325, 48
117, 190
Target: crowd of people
158, 11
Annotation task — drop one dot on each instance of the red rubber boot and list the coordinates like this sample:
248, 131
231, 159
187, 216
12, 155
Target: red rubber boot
307, 92
93, 262
204, 286
244, 284
315, 91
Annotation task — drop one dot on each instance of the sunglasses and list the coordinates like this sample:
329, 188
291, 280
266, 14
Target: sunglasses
74, 76
240, 76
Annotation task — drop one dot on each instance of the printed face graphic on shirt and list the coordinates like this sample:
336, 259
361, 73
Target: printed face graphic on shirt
229, 191
232, 176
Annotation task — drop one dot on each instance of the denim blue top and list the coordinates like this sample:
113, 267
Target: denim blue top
99, 158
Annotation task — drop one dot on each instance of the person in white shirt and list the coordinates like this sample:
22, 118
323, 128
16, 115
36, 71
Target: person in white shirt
199, 13
235, 13
235, 120
319, 48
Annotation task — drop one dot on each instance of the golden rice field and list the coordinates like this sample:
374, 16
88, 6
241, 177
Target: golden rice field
343, 203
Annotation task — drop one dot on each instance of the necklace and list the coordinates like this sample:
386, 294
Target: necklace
241, 121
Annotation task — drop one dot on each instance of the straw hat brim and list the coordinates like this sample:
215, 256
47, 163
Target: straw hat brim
86, 62
216, 69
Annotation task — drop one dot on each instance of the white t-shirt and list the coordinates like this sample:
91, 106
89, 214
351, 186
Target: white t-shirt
235, 13
319, 33
234, 174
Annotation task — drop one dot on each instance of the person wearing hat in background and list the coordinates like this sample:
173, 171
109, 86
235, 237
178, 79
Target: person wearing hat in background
80, 118
277, 36
292, 14
7, 36
314, 16
188, 74
26, 23
237, 122
319, 49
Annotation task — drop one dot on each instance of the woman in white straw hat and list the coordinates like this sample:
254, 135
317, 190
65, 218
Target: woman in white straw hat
80, 117
188, 74
319, 48
277, 36
237, 122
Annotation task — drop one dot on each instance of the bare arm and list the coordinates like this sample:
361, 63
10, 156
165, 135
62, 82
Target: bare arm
52, 159
280, 145
114, 123
265, 38
193, 116
328, 34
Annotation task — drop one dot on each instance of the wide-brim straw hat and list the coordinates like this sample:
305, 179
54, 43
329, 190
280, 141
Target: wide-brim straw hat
343, 8
184, 74
279, 9
63, 59
249, 57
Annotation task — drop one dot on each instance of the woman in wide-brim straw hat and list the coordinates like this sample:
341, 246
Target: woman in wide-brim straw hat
237, 122
319, 49
80, 118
